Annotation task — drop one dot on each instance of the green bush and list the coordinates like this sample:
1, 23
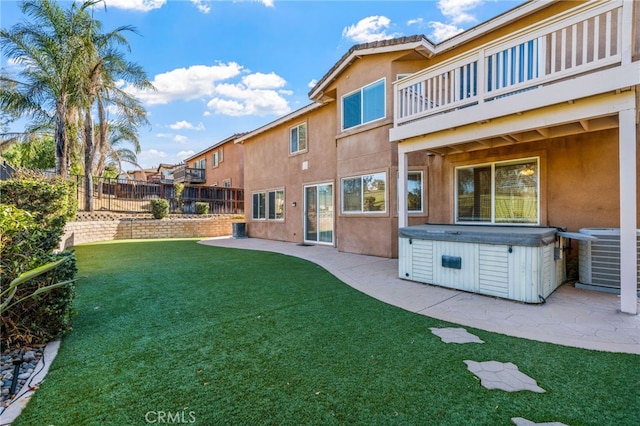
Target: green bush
33, 214
202, 208
51, 202
159, 208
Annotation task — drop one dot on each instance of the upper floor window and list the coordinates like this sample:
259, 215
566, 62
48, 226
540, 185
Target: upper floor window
364, 105
501, 192
200, 164
226, 183
298, 138
217, 158
364, 194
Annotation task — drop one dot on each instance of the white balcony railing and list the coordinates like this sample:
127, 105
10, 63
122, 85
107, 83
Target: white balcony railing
579, 43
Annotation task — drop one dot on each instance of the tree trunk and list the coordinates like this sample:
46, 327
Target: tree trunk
62, 146
88, 161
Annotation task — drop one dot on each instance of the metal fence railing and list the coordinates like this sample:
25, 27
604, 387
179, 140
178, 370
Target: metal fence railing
129, 196
135, 196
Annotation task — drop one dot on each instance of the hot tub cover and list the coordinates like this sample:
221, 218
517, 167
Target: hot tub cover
531, 236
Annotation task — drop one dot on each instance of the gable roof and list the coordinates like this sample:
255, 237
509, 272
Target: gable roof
222, 142
291, 116
419, 43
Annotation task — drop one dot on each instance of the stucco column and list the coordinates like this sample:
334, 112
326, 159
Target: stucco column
628, 212
403, 217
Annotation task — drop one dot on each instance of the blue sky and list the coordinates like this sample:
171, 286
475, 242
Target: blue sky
224, 67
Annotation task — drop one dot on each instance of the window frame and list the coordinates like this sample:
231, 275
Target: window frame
363, 193
265, 214
306, 138
215, 159
493, 220
421, 174
361, 93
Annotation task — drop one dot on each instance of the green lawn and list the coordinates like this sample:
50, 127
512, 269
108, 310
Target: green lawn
174, 330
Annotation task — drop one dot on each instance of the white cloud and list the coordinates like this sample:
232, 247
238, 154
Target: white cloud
202, 5
151, 156
179, 125
180, 139
312, 83
417, 21
186, 83
372, 28
457, 11
253, 94
264, 81
140, 5
185, 154
237, 100
267, 3
443, 31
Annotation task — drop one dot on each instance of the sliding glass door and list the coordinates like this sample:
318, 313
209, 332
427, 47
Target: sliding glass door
318, 213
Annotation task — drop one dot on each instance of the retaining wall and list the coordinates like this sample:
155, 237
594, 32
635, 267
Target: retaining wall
113, 227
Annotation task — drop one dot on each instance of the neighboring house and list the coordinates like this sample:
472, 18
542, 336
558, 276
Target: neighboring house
165, 173
144, 175
218, 165
531, 118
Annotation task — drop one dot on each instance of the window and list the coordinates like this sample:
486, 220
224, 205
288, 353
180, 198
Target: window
414, 192
200, 164
298, 138
226, 183
364, 194
503, 192
276, 204
268, 205
217, 158
364, 106
257, 206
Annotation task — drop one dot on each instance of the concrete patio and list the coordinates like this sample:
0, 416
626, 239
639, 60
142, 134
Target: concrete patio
572, 317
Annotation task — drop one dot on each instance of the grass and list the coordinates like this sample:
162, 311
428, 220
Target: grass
173, 330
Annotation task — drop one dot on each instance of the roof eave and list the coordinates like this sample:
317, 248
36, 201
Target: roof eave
421, 45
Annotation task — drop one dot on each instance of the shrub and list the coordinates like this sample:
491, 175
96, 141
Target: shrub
51, 202
202, 208
159, 208
33, 214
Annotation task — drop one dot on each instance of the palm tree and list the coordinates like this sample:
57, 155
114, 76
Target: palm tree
51, 49
106, 65
70, 73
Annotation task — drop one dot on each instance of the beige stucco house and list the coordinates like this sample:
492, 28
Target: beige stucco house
218, 165
528, 119
327, 175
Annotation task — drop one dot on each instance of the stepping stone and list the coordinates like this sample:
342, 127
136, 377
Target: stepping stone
503, 376
455, 335
519, 421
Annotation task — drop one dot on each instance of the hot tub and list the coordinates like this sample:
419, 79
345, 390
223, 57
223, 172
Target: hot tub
514, 262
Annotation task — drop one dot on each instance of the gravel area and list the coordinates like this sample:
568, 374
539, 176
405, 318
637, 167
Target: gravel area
30, 357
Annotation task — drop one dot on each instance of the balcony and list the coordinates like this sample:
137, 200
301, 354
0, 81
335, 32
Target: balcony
183, 174
581, 53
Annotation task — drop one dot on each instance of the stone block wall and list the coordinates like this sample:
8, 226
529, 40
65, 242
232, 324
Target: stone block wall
93, 228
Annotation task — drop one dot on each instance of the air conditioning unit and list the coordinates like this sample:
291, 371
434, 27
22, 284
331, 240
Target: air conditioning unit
599, 260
